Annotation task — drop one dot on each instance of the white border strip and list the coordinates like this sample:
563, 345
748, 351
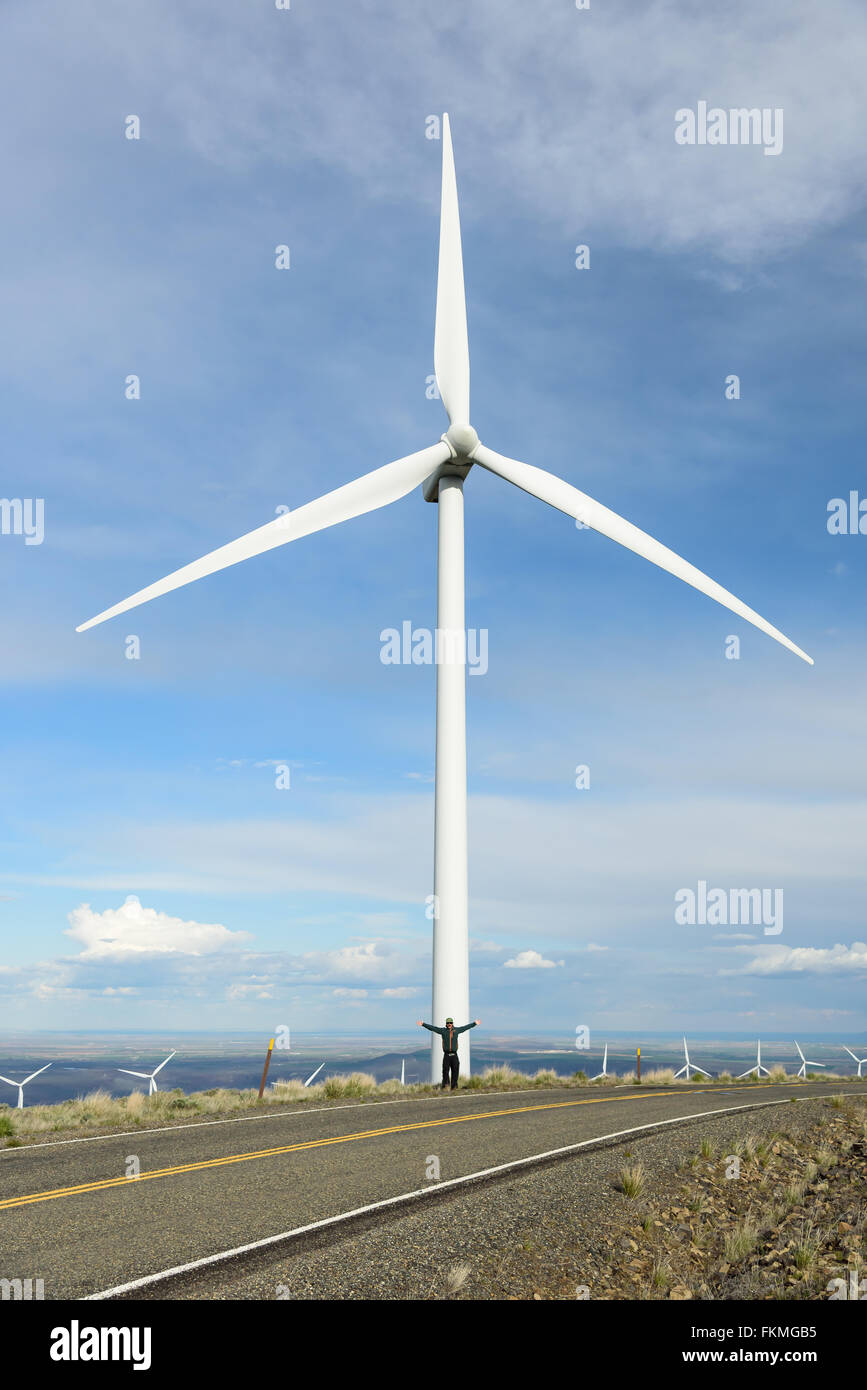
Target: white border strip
624, 1093
404, 1197
300, 1109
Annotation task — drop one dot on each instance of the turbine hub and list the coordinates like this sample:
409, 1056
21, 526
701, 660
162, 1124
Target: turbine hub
462, 438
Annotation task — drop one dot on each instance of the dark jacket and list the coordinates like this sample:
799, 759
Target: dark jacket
449, 1034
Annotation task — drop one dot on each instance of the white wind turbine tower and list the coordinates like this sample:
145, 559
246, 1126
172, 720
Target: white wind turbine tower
685, 1070
22, 1084
604, 1071
758, 1068
802, 1070
150, 1077
859, 1060
441, 470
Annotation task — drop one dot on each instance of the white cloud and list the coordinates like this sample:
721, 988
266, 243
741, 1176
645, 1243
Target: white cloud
248, 991
366, 961
597, 132
402, 992
134, 931
349, 993
532, 960
810, 960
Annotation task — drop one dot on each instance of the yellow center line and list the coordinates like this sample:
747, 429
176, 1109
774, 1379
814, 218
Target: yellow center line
103, 1183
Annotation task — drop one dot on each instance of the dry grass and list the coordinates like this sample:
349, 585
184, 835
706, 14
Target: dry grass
545, 1077
356, 1085
631, 1180
457, 1277
659, 1076
99, 1110
740, 1242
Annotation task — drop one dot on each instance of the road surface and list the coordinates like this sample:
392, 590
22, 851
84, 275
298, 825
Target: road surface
71, 1216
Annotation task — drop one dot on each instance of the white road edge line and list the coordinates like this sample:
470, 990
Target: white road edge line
275, 1115
469, 1094
419, 1193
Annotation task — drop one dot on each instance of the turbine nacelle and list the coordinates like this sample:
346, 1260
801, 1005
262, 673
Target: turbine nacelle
462, 441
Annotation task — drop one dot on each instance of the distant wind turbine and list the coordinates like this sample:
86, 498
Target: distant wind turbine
316, 1073
604, 1071
441, 470
686, 1069
22, 1084
859, 1060
403, 1071
150, 1077
802, 1070
758, 1068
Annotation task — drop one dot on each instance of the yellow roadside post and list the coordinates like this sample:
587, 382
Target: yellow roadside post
639, 1063
267, 1065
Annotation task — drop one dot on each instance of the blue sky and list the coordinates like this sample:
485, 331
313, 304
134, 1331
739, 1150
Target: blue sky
263, 388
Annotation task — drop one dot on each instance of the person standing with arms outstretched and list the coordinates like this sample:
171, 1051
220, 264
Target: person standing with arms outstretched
451, 1060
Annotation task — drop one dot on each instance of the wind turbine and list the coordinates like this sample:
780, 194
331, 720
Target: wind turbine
758, 1068
604, 1071
802, 1070
403, 1071
859, 1060
441, 470
22, 1084
686, 1069
150, 1077
315, 1074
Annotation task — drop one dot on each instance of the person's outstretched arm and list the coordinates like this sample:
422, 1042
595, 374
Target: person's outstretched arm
465, 1026
431, 1027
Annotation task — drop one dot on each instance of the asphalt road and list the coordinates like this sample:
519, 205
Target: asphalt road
71, 1216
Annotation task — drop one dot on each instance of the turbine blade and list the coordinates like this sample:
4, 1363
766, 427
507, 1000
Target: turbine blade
451, 350
35, 1073
557, 493
851, 1053
8, 1081
162, 1064
143, 1074
374, 490
800, 1053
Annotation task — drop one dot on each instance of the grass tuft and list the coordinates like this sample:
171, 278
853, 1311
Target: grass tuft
631, 1180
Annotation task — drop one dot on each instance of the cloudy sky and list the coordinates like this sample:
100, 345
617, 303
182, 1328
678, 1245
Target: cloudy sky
156, 871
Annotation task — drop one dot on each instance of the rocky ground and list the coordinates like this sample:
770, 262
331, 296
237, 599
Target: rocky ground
779, 1217
773, 1206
